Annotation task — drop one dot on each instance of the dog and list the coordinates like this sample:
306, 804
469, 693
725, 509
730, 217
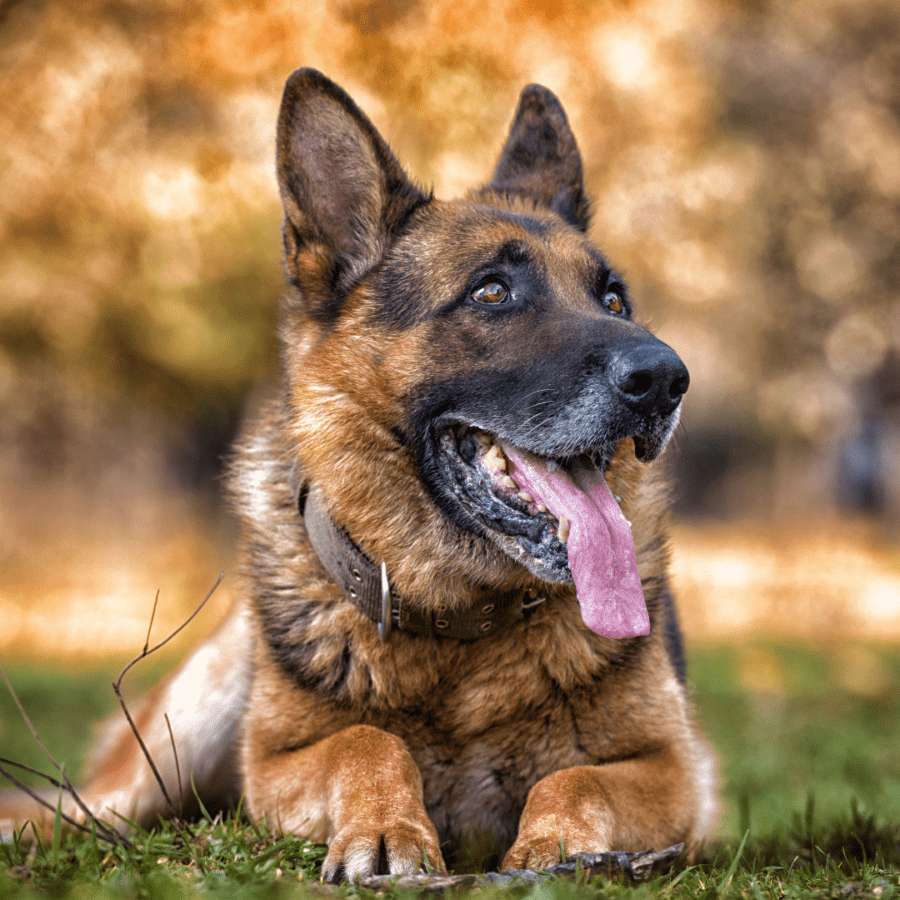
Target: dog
457, 642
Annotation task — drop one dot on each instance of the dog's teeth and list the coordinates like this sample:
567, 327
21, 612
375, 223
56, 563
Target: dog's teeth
541, 508
563, 531
483, 439
495, 460
507, 482
525, 497
618, 499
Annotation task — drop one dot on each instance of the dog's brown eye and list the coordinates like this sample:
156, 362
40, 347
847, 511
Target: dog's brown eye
613, 302
492, 292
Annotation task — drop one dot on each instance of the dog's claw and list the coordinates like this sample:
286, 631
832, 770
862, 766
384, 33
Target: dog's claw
542, 853
400, 849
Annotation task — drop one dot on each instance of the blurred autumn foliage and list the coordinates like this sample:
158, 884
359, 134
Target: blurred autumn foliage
744, 159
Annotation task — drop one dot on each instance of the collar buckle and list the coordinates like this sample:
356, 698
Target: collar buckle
385, 623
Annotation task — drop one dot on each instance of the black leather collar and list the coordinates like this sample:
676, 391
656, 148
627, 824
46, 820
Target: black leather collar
366, 585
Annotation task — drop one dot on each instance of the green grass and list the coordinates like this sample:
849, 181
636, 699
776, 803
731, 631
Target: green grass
809, 737
809, 742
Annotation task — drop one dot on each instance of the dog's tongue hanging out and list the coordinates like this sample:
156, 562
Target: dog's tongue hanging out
600, 545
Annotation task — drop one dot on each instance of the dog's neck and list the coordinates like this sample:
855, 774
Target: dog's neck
368, 587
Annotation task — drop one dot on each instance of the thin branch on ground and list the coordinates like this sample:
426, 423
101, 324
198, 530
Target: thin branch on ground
64, 783
153, 618
103, 831
117, 687
177, 766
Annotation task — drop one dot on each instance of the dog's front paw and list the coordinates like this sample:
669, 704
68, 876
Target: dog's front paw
565, 814
540, 851
404, 847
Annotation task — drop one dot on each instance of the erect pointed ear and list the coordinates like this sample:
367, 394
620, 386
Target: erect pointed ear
540, 160
344, 193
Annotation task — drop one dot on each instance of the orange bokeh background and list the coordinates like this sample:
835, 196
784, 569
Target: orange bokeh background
744, 160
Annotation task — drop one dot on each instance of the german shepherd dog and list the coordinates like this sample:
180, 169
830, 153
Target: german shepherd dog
456, 639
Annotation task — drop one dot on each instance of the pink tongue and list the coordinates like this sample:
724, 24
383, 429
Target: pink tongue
600, 545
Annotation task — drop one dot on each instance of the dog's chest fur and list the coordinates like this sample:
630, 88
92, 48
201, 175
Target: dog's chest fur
455, 703
485, 721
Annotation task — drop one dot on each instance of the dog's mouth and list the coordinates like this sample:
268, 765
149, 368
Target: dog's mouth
555, 516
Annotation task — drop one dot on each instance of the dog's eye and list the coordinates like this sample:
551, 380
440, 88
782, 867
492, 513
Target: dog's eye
492, 292
613, 301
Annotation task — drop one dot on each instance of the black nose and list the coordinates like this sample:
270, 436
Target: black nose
650, 377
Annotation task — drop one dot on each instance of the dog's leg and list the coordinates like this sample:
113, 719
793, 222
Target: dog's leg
635, 804
358, 790
204, 700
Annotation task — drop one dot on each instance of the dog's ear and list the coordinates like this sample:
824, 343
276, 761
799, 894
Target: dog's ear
344, 193
540, 160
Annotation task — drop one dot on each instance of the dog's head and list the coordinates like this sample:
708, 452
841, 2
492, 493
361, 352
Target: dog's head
461, 374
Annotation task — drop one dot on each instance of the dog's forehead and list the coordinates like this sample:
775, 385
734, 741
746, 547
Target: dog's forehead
462, 238
448, 247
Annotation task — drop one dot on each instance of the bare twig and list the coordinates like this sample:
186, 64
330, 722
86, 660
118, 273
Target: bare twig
64, 783
177, 766
104, 832
145, 652
152, 618
634, 866
117, 687
31, 770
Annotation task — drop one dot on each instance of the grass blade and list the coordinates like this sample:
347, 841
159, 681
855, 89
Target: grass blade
726, 881
57, 831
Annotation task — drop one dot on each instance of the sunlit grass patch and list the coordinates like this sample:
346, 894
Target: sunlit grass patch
810, 789
215, 857
849, 858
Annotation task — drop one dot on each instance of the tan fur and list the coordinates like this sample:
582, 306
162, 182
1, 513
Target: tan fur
403, 753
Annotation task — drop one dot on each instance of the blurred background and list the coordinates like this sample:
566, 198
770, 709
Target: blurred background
745, 161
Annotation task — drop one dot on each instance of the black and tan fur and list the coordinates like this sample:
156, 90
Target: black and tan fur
540, 736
